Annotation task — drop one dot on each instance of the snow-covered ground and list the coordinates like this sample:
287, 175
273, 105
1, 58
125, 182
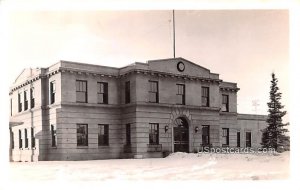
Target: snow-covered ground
177, 166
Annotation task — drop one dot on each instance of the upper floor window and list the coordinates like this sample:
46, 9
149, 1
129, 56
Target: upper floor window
153, 133
205, 96
52, 92
25, 100
103, 135
225, 136
180, 95
53, 136
20, 139
32, 98
26, 138
81, 91
127, 92
102, 93
82, 135
205, 135
153, 91
20, 101
225, 103
32, 138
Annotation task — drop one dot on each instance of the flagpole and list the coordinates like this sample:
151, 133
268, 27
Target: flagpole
173, 33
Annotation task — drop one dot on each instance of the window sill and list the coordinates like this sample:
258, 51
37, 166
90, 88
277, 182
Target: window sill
103, 146
54, 147
82, 147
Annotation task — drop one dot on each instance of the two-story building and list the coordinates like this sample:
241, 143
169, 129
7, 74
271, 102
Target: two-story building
76, 111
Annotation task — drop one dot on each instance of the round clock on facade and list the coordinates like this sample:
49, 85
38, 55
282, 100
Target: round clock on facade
180, 66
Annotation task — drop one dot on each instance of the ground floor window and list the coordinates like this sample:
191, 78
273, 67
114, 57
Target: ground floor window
205, 135
82, 135
225, 137
12, 140
53, 136
248, 139
103, 135
26, 138
238, 139
32, 138
20, 139
128, 134
153, 133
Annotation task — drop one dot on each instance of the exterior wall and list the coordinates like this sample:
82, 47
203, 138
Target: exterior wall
30, 118
65, 113
253, 124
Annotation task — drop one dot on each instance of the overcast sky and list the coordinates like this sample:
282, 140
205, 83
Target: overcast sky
243, 46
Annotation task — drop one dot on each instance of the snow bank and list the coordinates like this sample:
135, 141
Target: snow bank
177, 166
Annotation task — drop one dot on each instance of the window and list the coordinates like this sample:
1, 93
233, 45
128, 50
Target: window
20, 139
180, 94
248, 139
153, 91
225, 137
205, 135
53, 136
225, 103
81, 91
102, 92
32, 138
128, 134
127, 92
32, 97
238, 139
205, 96
20, 101
12, 140
52, 92
25, 100
82, 135
153, 133
103, 135
26, 138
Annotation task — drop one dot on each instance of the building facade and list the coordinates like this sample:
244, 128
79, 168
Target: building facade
75, 111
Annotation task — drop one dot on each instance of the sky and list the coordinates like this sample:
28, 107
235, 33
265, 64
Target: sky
243, 46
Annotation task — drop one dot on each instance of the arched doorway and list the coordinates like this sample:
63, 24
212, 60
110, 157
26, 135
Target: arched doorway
181, 135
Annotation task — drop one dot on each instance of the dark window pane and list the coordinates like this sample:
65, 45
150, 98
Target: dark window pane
205, 135
102, 93
153, 133
32, 138
20, 139
180, 96
128, 134
225, 136
127, 92
53, 136
238, 141
103, 135
82, 135
248, 139
205, 96
225, 103
81, 91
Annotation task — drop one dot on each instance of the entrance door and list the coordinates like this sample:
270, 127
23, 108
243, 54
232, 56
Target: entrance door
181, 135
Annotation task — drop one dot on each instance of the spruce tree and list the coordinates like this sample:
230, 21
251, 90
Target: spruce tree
274, 135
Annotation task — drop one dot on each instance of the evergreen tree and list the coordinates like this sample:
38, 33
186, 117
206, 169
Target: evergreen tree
274, 135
